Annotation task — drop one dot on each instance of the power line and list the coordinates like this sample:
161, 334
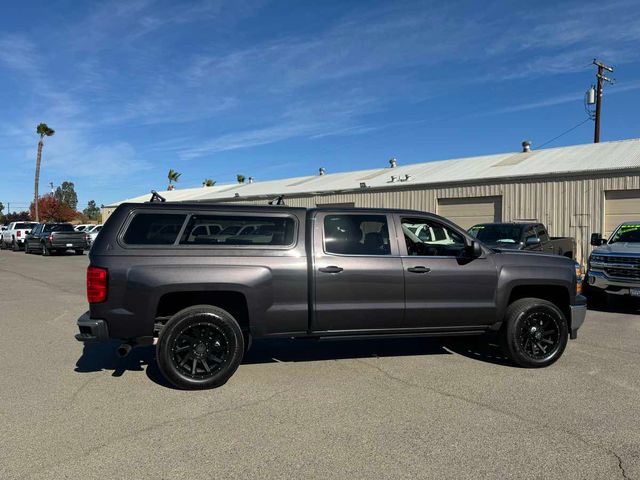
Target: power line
565, 132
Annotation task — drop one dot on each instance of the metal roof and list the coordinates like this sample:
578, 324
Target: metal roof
577, 159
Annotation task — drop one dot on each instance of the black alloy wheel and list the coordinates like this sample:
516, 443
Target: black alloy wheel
200, 347
539, 334
534, 333
200, 351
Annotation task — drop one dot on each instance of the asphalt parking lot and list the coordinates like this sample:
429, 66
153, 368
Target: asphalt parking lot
414, 408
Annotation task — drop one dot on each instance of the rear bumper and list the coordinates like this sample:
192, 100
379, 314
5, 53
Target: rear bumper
92, 330
70, 245
578, 314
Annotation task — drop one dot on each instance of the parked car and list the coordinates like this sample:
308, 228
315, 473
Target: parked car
523, 236
93, 234
13, 237
614, 265
82, 227
49, 238
322, 273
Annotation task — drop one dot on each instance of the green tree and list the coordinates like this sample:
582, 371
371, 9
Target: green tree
208, 182
44, 131
240, 178
173, 176
66, 195
92, 211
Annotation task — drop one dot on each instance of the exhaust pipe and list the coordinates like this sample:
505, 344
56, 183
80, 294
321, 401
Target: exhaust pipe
123, 350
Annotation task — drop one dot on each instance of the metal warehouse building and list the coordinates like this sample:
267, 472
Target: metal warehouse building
573, 190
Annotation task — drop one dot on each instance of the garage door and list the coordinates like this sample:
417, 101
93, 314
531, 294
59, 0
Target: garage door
620, 206
467, 212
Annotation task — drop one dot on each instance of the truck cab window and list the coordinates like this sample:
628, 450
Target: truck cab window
430, 238
542, 233
356, 234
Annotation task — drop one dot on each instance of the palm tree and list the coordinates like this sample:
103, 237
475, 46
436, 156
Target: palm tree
44, 131
240, 178
208, 182
173, 176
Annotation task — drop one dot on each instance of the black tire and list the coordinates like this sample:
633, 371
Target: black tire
26, 247
535, 333
45, 251
79, 252
15, 246
200, 347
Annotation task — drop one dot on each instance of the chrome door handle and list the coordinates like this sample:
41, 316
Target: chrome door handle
419, 269
331, 269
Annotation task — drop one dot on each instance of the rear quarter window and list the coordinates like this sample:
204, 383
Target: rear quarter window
154, 229
245, 230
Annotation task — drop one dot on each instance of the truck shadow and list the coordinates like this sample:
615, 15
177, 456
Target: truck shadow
628, 306
102, 357
285, 350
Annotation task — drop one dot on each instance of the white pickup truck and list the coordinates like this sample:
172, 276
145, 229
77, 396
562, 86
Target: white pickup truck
13, 237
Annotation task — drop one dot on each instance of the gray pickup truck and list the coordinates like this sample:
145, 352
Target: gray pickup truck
532, 237
312, 273
614, 265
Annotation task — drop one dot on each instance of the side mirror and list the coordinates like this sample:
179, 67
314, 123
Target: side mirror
596, 239
532, 241
474, 249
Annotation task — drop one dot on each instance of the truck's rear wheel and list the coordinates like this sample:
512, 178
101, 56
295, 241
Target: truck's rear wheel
16, 246
45, 251
200, 347
535, 332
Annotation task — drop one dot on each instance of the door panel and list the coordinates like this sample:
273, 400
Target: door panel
356, 291
445, 290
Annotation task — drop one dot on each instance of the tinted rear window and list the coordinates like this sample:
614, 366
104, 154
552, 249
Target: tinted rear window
59, 227
239, 230
22, 226
154, 229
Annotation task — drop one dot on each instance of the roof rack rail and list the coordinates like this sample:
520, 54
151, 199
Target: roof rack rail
156, 197
279, 200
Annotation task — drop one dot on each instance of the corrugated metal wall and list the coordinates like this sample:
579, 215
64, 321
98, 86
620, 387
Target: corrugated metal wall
572, 206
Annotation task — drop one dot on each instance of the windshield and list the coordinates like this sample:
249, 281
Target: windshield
497, 233
627, 233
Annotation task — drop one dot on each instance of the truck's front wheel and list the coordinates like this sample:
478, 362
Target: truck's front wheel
535, 332
200, 347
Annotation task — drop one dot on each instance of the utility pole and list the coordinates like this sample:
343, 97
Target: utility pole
601, 78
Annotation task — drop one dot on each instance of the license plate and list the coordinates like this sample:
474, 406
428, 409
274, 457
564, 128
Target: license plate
635, 292
69, 244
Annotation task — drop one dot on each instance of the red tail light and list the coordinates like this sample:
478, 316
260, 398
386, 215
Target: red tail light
50, 237
18, 233
97, 285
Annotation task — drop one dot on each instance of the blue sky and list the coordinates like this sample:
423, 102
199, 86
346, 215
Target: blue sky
278, 89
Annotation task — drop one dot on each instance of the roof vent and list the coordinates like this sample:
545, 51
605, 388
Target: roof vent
321, 171
251, 180
405, 178
393, 163
237, 195
526, 146
394, 178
